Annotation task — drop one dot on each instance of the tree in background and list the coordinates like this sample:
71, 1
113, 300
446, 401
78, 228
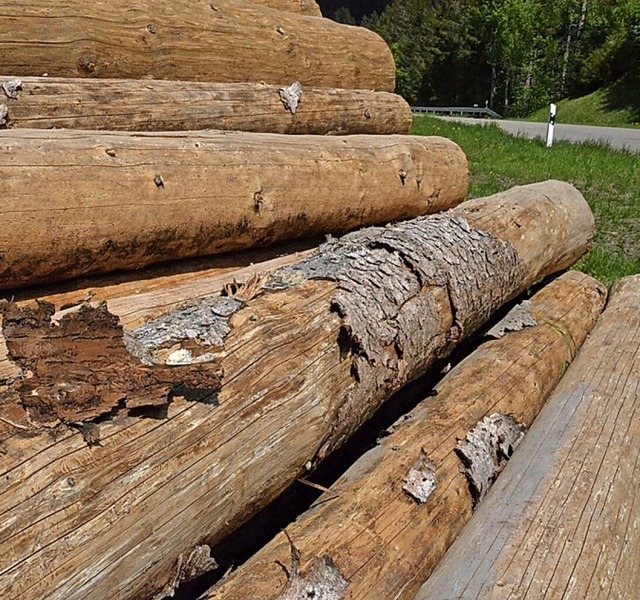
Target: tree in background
516, 55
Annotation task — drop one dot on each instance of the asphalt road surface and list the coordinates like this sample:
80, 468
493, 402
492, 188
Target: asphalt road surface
616, 137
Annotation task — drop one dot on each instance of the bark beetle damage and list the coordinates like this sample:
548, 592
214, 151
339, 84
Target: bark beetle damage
81, 369
197, 563
485, 451
323, 580
517, 319
384, 276
421, 480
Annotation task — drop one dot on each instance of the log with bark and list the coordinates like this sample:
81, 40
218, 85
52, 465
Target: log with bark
79, 202
124, 454
220, 41
383, 526
143, 105
562, 519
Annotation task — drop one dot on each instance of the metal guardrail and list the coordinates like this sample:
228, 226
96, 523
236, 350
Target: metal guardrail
476, 111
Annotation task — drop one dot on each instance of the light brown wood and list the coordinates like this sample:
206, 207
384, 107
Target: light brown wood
562, 519
80, 202
220, 41
305, 7
143, 105
384, 533
193, 422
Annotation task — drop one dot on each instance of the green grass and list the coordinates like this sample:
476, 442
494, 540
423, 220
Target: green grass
588, 110
609, 180
615, 106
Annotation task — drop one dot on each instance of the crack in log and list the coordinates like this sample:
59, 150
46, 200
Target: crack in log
197, 563
485, 451
79, 370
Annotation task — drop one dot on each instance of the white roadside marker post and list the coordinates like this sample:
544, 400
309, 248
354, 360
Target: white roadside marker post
551, 125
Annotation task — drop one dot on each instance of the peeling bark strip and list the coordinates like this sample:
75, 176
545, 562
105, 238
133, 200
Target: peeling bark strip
222, 41
486, 450
421, 480
379, 308
81, 367
196, 194
290, 96
152, 105
301, 372
385, 538
516, 319
323, 581
562, 519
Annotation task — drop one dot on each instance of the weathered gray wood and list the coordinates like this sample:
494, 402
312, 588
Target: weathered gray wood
144, 105
123, 451
563, 520
389, 519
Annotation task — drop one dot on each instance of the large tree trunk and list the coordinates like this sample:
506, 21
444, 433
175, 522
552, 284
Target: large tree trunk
305, 7
221, 41
142, 105
124, 452
389, 519
76, 203
562, 520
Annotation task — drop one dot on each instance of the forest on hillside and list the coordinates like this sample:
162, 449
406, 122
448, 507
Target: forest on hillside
513, 55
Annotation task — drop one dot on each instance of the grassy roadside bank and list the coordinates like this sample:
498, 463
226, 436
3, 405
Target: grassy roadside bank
609, 180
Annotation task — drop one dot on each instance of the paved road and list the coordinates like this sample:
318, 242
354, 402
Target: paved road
616, 137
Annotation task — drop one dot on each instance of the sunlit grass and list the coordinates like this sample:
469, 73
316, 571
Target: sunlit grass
609, 180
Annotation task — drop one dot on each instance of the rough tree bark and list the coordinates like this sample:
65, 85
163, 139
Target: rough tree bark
385, 523
305, 7
143, 105
220, 41
562, 520
96, 203
123, 454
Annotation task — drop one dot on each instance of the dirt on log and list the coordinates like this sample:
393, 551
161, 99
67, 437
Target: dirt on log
221, 41
562, 520
78, 202
389, 519
143, 105
294, 364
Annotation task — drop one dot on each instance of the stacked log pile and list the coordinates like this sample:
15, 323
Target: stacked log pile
149, 409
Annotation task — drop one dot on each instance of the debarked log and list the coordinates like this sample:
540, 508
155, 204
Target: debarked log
123, 453
305, 7
78, 202
562, 519
387, 521
219, 41
144, 105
